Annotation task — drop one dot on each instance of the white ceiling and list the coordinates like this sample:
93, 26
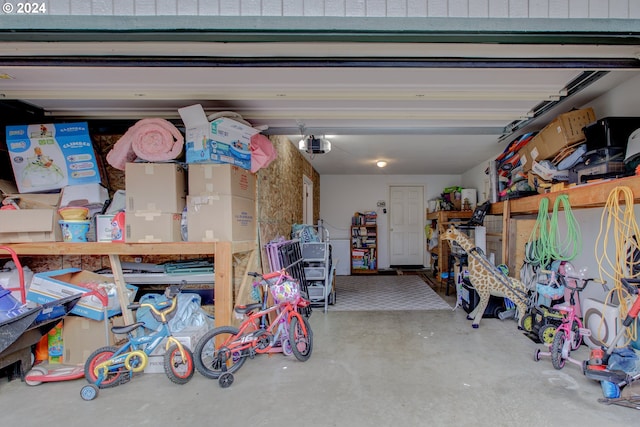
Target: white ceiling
421, 120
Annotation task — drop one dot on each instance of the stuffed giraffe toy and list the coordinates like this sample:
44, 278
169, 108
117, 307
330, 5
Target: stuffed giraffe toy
487, 282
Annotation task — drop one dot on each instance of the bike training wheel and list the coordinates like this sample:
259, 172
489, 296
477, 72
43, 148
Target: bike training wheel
556, 350
208, 358
100, 355
287, 349
89, 392
225, 380
177, 369
301, 342
577, 337
527, 322
536, 355
547, 333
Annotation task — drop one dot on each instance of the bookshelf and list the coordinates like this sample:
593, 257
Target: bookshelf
364, 243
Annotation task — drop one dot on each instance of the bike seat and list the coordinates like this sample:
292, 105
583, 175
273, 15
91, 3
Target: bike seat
244, 309
126, 329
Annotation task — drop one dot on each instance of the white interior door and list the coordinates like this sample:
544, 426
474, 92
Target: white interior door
406, 228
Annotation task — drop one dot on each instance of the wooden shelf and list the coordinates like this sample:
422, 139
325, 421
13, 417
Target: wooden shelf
590, 195
445, 216
371, 250
93, 248
222, 251
442, 250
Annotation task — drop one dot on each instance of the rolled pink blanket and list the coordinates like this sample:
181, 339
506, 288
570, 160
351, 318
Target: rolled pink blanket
149, 139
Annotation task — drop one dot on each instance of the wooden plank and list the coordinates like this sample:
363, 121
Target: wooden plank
223, 288
246, 279
95, 248
591, 195
118, 277
520, 231
505, 232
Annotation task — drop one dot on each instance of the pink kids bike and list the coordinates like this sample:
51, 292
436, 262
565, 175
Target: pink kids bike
569, 334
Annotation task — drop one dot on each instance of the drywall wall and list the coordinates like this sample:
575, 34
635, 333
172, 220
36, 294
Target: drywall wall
342, 195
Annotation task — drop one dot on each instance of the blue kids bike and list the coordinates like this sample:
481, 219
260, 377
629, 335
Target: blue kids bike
111, 366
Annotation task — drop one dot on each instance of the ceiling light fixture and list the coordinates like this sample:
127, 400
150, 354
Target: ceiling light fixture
381, 163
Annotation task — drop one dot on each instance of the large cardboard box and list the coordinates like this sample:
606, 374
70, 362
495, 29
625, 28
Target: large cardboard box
82, 336
155, 187
56, 284
565, 130
51, 156
221, 179
220, 217
221, 140
188, 337
35, 221
152, 227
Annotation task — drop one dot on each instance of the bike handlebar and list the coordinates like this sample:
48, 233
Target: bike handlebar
628, 282
581, 282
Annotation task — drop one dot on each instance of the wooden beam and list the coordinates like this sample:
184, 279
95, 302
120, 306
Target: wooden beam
505, 232
121, 288
590, 195
223, 287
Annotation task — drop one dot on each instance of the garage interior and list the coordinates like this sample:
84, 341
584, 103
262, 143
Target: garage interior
436, 105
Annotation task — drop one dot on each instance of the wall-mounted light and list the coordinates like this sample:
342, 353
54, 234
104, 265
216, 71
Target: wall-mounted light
381, 163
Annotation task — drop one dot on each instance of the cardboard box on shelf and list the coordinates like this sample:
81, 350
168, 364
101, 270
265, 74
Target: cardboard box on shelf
188, 337
51, 156
152, 227
220, 217
56, 284
155, 187
565, 130
221, 179
221, 140
82, 336
35, 221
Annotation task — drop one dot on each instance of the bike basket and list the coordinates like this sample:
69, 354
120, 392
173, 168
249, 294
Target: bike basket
285, 291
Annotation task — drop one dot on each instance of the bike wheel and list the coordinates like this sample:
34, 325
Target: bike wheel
209, 360
547, 333
301, 338
179, 370
556, 350
97, 357
577, 337
527, 322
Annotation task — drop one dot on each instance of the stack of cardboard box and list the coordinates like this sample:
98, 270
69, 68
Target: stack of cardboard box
156, 197
221, 204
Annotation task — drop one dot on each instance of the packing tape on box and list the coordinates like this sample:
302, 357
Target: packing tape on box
147, 215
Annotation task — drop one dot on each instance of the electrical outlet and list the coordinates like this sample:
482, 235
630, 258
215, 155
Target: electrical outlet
381, 203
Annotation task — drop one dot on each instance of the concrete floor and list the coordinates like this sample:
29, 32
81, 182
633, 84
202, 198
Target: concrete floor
412, 368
